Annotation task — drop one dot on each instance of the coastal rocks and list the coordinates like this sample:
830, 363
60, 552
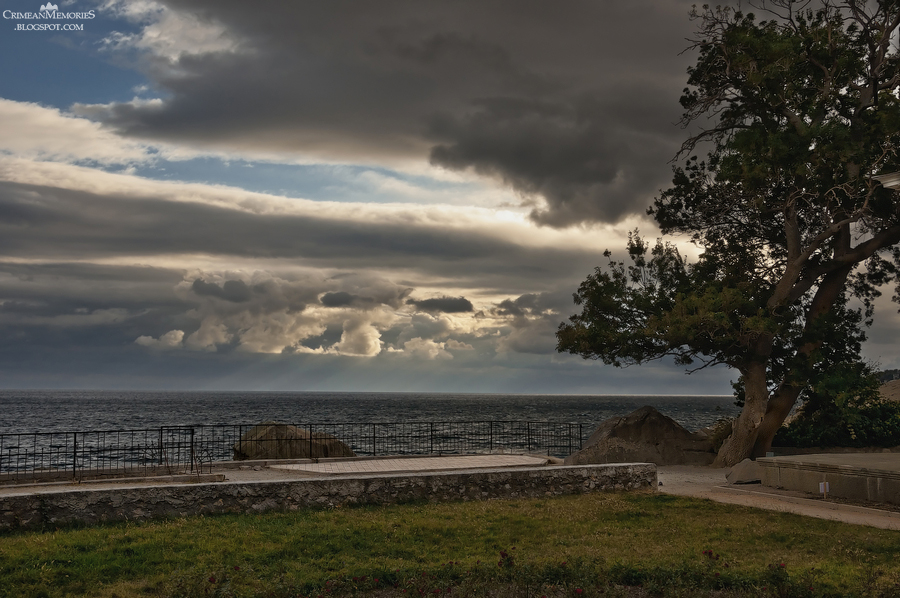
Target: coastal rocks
271, 440
644, 436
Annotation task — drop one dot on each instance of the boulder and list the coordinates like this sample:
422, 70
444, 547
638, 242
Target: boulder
745, 472
271, 440
645, 436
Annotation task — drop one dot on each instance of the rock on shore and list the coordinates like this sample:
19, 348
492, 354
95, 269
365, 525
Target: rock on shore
644, 436
271, 440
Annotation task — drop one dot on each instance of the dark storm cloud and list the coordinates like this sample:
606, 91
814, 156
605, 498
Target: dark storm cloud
64, 286
63, 223
338, 299
69, 304
571, 102
386, 294
535, 305
345, 299
584, 160
533, 319
520, 306
447, 305
235, 291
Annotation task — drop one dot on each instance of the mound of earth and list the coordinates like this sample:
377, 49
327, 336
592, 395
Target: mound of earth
645, 436
271, 440
891, 390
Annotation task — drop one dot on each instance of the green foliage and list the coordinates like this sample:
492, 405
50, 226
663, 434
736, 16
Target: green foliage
619, 321
789, 146
844, 409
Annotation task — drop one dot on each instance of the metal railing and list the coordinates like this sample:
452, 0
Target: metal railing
193, 449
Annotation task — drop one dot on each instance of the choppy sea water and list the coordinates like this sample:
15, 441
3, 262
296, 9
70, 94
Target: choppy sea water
57, 411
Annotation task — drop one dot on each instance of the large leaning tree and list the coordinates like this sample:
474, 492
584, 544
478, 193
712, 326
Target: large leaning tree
798, 115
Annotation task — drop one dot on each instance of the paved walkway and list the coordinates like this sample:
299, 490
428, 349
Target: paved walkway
710, 483
414, 464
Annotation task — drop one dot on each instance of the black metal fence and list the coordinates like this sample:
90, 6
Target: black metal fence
181, 449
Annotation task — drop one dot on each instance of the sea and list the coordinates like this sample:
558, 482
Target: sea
29, 411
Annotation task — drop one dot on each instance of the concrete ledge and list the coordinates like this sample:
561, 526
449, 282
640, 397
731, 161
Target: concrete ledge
68, 476
85, 505
869, 477
156, 480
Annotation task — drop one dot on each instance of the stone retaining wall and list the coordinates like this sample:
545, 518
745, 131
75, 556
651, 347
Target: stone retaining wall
85, 505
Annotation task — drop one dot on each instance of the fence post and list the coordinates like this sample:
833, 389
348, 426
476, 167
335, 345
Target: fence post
311, 432
74, 455
192, 450
527, 436
374, 452
491, 437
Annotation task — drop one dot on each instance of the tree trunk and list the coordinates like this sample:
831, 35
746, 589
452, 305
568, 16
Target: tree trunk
739, 445
762, 416
779, 407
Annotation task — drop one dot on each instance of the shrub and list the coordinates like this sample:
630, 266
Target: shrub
844, 409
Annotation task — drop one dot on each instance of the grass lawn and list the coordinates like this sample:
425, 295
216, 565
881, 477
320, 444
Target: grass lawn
629, 544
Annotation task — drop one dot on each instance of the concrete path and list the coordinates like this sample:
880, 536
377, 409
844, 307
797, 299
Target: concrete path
710, 483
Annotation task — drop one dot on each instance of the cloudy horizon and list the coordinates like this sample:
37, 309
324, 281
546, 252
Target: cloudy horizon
350, 196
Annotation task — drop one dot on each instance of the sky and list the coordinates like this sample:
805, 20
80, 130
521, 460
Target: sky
341, 195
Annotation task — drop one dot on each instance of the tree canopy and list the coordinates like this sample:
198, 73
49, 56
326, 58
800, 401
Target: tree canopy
798, 114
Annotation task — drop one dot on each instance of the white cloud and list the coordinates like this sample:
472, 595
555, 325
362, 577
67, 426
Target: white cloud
433, 188
426, 348
170, 340
359, 339
210, 334
274, 332
166, 33
40, 133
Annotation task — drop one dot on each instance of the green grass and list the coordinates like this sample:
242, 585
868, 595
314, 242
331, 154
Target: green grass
603, 544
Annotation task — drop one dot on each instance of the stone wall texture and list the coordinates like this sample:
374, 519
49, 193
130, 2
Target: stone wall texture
89, 506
